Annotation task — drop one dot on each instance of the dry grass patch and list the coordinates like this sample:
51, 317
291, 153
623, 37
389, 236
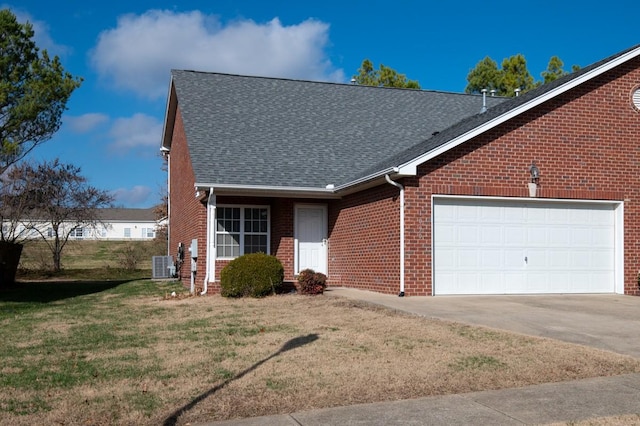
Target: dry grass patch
141, 359
629, 419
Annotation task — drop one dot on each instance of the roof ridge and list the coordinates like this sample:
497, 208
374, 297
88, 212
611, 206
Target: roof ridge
333, 83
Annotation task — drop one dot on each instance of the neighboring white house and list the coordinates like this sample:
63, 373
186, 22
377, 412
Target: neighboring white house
114, 224
125, 224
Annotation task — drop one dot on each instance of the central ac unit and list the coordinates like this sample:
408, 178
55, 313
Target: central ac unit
160, 266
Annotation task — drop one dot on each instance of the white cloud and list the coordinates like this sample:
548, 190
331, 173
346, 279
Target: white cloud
137, 131
138, 54
41, 36
137, 195
86, 122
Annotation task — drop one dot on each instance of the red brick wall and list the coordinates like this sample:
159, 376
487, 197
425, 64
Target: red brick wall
586, 144
187, 214
364, 240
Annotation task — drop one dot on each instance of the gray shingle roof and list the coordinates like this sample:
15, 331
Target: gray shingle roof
288, 133
117, 214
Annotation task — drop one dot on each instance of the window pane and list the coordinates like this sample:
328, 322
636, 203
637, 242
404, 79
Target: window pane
227, 244
248, 225
255, 243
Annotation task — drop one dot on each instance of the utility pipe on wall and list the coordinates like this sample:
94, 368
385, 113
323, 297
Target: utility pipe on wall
210, 241
397, 185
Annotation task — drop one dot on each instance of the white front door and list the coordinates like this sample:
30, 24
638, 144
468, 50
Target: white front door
311, 237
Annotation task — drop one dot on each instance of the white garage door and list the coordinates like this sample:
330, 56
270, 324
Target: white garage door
517, 247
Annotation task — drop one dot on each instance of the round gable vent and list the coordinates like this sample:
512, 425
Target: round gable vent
635, 98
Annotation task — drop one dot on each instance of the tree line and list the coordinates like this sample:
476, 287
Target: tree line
501, 81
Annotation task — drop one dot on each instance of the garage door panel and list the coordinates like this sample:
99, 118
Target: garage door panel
514, 235
512, 213
558, 259
468, 259
445, 260
522, 246
581, 236
559, 237
536, 235
468, 234
511, 281
491, 258
558, 282
514, 259
467, 215
491, 235
580, 259
601, 259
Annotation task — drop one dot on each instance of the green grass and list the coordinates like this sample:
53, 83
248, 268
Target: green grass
91, 342
95, 255
477, 362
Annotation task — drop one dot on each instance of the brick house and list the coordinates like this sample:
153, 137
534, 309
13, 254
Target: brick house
407, 191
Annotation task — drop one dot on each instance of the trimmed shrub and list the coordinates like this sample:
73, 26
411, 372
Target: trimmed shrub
255, 275
311, 282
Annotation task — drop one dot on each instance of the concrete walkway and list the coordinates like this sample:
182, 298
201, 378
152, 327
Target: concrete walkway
532, 405
609, 322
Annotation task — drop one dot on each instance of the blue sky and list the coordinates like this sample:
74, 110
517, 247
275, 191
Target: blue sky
124, 50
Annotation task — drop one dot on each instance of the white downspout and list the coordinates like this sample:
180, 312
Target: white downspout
168, 203
210, 241
396, 184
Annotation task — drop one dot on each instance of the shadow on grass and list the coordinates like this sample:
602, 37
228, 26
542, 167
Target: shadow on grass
51, 291
291, 344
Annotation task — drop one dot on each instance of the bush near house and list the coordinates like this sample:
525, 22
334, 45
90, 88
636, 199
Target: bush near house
311, 282
255, 275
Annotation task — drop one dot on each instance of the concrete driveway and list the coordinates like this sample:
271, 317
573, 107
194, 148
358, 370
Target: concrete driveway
609, 322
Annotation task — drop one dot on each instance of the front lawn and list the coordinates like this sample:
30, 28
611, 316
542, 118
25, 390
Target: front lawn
126, 352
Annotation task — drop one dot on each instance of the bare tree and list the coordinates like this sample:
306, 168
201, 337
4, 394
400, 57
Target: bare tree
60, 202
15, 209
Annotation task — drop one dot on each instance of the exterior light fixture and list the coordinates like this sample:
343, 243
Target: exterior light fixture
535, 172
535, 178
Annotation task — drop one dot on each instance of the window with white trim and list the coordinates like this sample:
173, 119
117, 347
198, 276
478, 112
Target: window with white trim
77, 233
148, 233
127, 232
241, 230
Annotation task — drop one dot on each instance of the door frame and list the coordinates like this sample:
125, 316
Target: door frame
618, 229
296, 244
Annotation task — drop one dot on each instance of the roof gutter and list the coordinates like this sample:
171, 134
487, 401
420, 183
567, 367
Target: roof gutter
367, 178
259, 190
